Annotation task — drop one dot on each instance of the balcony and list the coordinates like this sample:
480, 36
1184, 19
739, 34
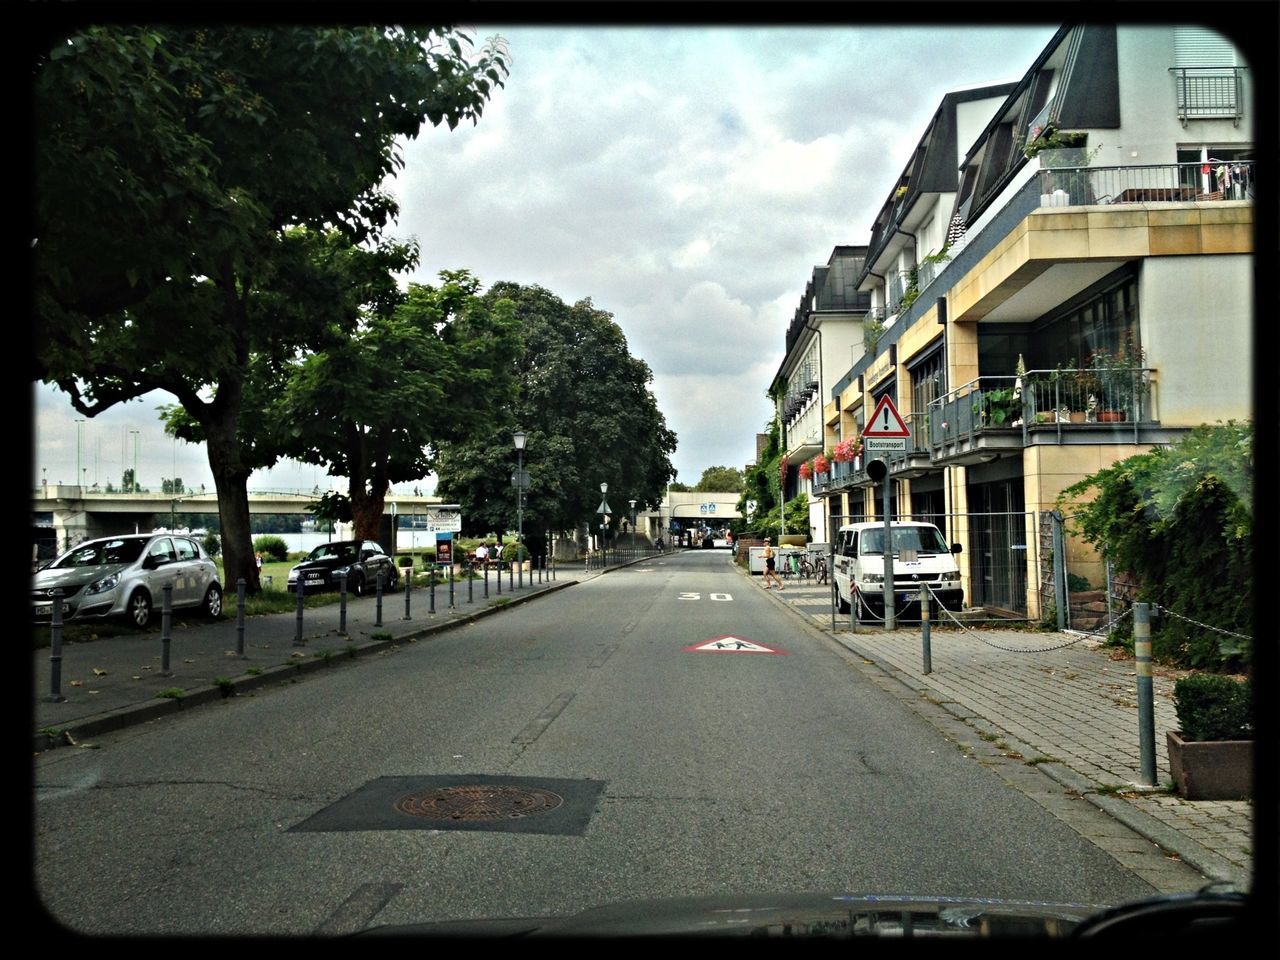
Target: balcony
992, 416
1066, 181
1209, 92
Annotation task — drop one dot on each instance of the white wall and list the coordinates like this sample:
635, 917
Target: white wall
1197, 315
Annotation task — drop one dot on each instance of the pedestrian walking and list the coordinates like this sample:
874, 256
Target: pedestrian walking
770, 558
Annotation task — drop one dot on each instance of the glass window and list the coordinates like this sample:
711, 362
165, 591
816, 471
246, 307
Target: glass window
186, 549
161, 550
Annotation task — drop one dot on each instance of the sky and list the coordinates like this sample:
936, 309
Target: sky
687, 180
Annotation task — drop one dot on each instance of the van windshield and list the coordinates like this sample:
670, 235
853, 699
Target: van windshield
919, 539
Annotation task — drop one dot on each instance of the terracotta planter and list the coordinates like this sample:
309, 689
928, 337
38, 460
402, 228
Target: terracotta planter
1210, 769
1077, 416
1111, 416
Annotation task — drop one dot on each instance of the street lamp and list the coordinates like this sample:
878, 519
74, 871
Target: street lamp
135, 460
519, 438
633, 524
604, 512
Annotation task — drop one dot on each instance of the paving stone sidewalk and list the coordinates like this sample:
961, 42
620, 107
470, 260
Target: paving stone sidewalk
1067, 703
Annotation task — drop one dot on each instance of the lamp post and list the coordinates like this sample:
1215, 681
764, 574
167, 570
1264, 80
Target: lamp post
604, 512
519, 438
135, 460
633, 525
79, 433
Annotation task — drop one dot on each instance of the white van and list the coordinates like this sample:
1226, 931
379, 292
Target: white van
920, 556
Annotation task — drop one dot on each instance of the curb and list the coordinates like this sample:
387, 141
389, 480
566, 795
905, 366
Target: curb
270, 676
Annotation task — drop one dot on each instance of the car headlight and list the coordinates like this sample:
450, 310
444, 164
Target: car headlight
342, 571
950, 576
103, 585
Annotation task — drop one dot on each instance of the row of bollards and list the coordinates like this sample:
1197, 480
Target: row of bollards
56, 626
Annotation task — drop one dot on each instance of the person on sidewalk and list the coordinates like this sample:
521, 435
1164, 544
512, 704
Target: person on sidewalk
770, 560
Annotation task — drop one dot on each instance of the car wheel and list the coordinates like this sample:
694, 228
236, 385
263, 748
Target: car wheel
357, 585
213, 602
140, 608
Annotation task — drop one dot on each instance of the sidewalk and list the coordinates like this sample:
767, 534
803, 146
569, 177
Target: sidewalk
1064, 701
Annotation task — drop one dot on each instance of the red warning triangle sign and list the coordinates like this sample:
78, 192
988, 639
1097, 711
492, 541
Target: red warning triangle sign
886, 421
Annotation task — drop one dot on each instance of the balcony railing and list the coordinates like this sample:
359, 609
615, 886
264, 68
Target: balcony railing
1204, 92
1080, 185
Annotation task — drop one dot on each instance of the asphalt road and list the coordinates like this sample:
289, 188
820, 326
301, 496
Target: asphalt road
683, 772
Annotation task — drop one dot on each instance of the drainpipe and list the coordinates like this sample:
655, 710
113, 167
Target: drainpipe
822, 421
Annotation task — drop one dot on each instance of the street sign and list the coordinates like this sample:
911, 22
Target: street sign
885, 422
444, 519
884, 445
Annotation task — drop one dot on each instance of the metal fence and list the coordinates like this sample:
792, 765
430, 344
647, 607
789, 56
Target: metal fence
1078, 184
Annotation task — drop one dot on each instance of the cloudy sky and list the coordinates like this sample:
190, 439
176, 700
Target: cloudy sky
687, 180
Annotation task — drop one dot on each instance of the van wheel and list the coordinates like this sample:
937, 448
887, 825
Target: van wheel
842, 604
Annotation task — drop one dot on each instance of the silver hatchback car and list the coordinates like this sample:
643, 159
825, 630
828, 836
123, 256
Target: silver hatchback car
125, 576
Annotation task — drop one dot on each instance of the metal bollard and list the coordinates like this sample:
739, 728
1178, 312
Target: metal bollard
521, 562
1146, 701
408, 584
166, 629
378, 621
55, 652
450, 586
924, 625
499, 578
471, 584
342, 603
486, 580
432, 588
511, 576
297, 633
240, 616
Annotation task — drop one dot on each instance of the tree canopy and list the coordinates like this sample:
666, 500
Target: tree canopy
720, 480
590, 418
171, 163
375, 406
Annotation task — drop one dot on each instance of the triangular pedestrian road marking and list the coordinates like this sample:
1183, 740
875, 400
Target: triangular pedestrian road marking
731, 644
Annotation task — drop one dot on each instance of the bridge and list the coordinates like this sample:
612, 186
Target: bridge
76, 513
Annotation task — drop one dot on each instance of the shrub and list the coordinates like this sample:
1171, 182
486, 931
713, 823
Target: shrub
405, 561
272, 546
509, 551
1211, 706
212, 545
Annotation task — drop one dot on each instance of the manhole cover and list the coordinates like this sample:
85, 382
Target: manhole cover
479, 802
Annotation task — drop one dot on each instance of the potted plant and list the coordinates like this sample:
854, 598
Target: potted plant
1082, 388
1211, 755
998, 408
1117, 374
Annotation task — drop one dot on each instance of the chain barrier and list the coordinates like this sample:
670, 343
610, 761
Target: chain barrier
1242, 636
1060, 646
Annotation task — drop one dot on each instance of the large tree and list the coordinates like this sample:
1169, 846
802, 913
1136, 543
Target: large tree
170, 161
585, 404
720, 480
374, 407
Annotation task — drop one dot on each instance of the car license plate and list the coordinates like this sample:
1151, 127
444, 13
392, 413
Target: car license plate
44, 609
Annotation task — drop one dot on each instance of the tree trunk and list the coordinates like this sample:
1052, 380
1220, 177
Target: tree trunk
367, 507
231, 480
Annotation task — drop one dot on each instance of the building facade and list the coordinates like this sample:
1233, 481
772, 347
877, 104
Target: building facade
1083, 294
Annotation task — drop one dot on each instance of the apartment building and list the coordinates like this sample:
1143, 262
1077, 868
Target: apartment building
1083, 294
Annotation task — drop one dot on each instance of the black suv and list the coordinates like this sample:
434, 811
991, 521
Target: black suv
360, 560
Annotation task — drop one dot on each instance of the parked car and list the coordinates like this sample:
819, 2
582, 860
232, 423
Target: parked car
125, 576
360, 560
